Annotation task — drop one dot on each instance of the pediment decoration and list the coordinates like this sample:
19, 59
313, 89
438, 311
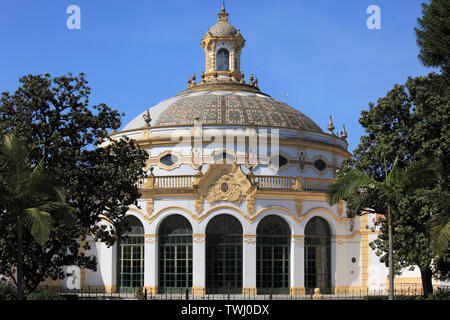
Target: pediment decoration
224, 183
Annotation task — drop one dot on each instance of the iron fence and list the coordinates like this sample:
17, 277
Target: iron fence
403, 291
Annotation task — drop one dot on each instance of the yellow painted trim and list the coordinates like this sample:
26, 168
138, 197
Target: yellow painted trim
247, 235
249, 291
198, 291
223, 206
150, 218
326, 210
365, 251
297, 291
151, 289
274, 208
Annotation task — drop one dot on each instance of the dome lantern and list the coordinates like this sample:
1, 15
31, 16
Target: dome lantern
222, 45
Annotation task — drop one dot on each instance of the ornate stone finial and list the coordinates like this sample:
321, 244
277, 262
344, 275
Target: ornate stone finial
331, 126
317, 295
189, 82
193, 79
256, 82
242, 78
251, 79
223, 15
203, 78
147, 118
343, 133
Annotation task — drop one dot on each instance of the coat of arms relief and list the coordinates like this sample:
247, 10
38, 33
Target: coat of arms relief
224, 183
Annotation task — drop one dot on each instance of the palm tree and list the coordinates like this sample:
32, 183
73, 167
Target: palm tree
361, 190
25, 193
440, 225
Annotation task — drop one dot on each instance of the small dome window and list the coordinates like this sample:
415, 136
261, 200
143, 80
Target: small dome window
169, 160
282, 161
223, 60
320, 165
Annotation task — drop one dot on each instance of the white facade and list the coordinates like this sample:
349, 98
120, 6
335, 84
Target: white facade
189, 185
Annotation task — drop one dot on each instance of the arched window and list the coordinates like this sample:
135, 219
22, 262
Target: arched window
317, 255
131, 256
272, 255
224, 255
175, 254
223, 60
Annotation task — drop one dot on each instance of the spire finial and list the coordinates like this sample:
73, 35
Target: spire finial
330, 126
223, 15
344, 133
147, 118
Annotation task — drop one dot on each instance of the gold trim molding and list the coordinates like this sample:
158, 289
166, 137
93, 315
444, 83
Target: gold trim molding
249, 291
198, 291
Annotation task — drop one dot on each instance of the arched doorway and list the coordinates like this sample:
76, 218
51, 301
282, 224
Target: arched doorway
131, 256
175, 254
317, 255
224, 255
272, 255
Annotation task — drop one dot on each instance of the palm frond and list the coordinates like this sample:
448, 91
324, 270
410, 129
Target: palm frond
418, 175
38, 222
346, 185
440, 234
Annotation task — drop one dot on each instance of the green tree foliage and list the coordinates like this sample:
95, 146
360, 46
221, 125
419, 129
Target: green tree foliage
29, 197
413, 123
433, 34
52, 116
364, 193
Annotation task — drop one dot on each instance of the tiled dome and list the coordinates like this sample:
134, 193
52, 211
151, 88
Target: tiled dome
222, 29
235, 109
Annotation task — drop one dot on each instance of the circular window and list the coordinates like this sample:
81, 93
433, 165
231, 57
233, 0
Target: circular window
320, 165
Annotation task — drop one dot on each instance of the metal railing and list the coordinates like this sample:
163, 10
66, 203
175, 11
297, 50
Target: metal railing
402, 291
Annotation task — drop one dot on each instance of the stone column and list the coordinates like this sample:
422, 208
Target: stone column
151, 263
198, 264
249, 264
297, 264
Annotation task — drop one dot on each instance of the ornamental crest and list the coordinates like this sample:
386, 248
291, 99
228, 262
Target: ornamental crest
224, 182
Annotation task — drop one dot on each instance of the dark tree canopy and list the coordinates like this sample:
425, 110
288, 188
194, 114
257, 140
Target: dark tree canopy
54, 118
433, 34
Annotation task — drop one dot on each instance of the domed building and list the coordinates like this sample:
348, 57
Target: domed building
234, 198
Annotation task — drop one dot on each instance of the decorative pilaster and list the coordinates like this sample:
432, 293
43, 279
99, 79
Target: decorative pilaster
151, 263
249, 262
364, 260
198, 264
297, 261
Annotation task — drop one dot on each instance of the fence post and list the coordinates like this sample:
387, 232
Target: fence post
187, 293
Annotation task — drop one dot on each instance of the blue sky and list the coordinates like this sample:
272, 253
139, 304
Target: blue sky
317, 56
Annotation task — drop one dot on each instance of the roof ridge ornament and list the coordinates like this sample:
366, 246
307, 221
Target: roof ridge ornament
223, 15
344, 132
331, 126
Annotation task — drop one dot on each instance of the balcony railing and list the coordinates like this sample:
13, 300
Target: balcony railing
263, 183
